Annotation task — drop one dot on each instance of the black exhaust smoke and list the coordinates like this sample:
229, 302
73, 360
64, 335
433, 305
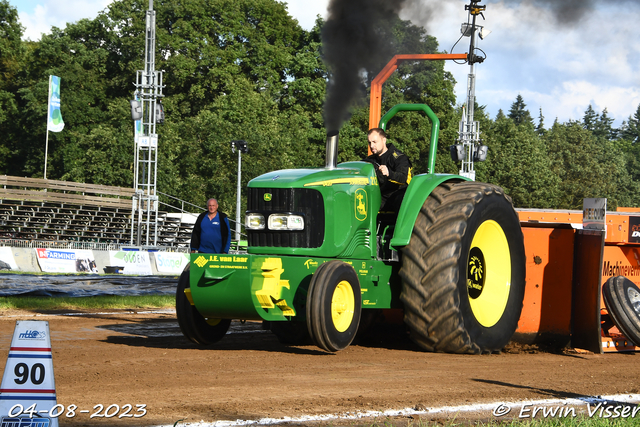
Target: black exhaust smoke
354, 39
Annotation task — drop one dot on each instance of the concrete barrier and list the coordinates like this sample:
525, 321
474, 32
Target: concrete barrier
138, 261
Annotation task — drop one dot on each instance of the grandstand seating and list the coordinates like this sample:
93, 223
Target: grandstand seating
46, 210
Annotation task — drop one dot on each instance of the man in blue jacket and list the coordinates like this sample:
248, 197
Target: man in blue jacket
211, 231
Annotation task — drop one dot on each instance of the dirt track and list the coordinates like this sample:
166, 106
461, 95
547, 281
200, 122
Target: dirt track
143, 359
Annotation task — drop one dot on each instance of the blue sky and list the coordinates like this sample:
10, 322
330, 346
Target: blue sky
561, 68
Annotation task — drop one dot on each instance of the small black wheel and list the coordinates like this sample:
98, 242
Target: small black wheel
193, 326
463, 271
622, 299
334, 304
291, 332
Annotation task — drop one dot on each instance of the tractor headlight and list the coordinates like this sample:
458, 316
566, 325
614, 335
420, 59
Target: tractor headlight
254, 221
286, 222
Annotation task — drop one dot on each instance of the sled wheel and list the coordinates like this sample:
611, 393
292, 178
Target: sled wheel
333, 306
463, 271
193, 326
622, 299
291, 332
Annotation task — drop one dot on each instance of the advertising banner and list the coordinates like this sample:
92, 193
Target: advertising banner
134, 262
7, 262
54, 121
171, 262
66, 260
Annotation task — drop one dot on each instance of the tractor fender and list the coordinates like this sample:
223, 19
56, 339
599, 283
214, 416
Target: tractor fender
417, 192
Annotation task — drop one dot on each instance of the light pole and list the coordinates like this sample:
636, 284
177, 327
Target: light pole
242, 147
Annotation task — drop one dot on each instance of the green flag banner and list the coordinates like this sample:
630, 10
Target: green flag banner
54, 122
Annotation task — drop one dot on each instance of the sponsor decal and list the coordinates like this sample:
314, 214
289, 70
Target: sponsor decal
349, 180
66, 261
594, 212
620, 269
135, 262
170, 262
49, 254
32, 335
25, 422
310, 263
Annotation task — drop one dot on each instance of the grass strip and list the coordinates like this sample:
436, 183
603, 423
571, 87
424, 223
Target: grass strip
86, 303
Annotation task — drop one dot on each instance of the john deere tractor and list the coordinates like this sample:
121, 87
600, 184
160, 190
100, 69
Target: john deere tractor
321, 257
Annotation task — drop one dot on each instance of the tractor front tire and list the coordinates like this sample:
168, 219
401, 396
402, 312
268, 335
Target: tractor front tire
334, 304
193, 326
463, 271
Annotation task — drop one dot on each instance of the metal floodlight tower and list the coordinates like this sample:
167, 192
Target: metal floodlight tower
469, 147
147, 111
242, 147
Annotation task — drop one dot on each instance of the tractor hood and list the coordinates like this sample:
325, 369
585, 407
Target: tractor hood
338, 207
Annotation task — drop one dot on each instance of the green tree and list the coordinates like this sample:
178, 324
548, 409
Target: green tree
519, 162
599, 125
540, 130
12, 60
590, 119
604, 126
589, 166
519, 114
631, 129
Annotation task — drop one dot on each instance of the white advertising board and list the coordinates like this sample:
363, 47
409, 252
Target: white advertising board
171, 262
66, 260
6, 257
134, 262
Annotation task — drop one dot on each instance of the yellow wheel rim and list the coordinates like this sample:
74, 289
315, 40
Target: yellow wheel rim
489, 273
213, 322
342, 306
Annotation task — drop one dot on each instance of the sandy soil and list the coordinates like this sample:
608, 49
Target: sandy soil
142, 358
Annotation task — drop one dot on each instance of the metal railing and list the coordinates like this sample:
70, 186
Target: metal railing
97, 246
200, 208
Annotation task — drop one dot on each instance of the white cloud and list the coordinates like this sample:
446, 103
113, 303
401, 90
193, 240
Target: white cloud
560, 67
56, 13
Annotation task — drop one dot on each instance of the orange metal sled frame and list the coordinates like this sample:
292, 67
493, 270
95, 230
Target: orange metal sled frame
566, 267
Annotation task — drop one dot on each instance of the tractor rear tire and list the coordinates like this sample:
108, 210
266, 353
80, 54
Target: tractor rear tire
463, 271
334, 304
622, 299
193, 326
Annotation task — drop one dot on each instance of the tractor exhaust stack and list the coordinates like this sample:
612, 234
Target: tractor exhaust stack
332, 150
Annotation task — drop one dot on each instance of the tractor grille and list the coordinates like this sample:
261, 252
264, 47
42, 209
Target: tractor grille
301, 201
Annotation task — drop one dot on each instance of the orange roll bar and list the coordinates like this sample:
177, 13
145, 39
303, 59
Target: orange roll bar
375, 102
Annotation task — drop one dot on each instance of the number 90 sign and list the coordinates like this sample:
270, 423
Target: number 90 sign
23, 373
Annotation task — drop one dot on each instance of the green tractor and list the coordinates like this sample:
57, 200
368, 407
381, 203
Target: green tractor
322, 259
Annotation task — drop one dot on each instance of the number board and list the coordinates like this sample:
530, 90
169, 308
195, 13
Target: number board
28, 375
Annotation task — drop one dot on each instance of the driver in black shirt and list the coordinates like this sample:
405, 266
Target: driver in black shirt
393, 169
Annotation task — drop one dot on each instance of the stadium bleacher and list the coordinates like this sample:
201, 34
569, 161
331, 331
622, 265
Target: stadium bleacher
46, 210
